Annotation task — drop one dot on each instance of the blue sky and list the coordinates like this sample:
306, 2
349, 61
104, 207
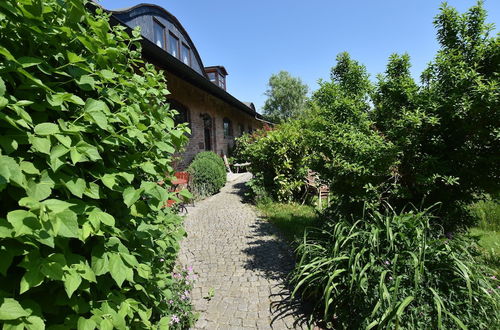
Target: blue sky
254, 39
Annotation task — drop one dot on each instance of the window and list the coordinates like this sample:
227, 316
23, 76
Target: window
242, 130
222, 82
173, 45
159, 34
228, 131
185, 54
211, 76
183, 113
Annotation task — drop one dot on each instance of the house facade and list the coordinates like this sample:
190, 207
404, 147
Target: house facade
198, 93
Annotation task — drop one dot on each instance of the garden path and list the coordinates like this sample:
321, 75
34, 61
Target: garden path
243, 260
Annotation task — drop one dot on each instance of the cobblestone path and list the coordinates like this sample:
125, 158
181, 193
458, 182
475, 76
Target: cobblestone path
243, 260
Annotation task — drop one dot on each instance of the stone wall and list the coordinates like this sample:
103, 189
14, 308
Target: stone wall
200, 103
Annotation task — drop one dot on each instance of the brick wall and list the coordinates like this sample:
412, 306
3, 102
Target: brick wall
199, 103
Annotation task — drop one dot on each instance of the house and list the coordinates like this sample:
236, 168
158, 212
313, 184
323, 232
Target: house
198, 92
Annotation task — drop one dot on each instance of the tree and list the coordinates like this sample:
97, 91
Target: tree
349, 155
446, 130
286, 97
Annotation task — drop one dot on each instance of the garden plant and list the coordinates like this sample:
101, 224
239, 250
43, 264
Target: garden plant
85, 136
388, 151
207, 174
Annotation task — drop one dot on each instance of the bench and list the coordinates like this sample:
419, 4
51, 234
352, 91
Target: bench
238, 166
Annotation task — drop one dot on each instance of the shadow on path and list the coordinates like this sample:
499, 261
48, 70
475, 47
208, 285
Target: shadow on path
271, 257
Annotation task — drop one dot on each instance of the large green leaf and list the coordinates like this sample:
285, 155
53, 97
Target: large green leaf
41, 144
10, 171
131, 195
2, 87
76, 186
34, 323
86, 324
32, 278
57, 205
66, 224
118, 270
86, 82
53, 266
72, 281
24, 222
98, 216
10, 309
46, 129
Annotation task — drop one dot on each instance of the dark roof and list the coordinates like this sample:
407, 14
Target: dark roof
250, 105
166, 61
170, 17
217, 67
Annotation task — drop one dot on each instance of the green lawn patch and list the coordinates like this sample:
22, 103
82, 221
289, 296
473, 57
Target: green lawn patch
489, 241
290, 219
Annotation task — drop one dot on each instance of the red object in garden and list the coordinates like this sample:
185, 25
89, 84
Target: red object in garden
180, 178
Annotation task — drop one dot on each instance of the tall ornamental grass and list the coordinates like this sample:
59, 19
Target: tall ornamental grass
395, 271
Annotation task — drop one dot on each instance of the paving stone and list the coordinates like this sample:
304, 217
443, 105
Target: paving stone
243, 258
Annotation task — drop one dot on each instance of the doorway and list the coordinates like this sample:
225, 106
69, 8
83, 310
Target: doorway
207, 129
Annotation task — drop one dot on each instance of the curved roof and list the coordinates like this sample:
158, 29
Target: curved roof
166, 61
172, 19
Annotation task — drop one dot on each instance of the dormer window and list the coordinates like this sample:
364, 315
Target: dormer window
159, 34
173, 45
217, 75
221, 80
211, 76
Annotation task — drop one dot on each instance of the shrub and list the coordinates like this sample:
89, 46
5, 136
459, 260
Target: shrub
207, 174
278, 160
213, 157
446, 129
357, 161
84, 136
392, 270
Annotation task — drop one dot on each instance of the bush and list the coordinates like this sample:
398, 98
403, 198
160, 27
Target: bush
213, 157
278, 160
356, 160
84, 136
207, 174
395, 270
446, 129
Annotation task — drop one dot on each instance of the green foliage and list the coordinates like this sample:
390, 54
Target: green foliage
447, 129
395, 270
349, 154
278, 160
85, 136
207, 174
486, 214
212, 156
179, 303
286, 97
291, 219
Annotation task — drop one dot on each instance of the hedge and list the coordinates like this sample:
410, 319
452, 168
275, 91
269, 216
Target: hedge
85, 136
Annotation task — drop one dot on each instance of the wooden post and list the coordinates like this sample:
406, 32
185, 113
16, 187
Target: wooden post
227, 164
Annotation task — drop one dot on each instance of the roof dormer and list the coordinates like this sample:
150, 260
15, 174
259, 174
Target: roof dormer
217, 75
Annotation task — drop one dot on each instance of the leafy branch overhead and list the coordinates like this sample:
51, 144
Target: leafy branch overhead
85, 136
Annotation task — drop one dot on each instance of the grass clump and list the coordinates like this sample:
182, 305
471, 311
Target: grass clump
393, 270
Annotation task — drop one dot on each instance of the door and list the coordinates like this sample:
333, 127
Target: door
207, 128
